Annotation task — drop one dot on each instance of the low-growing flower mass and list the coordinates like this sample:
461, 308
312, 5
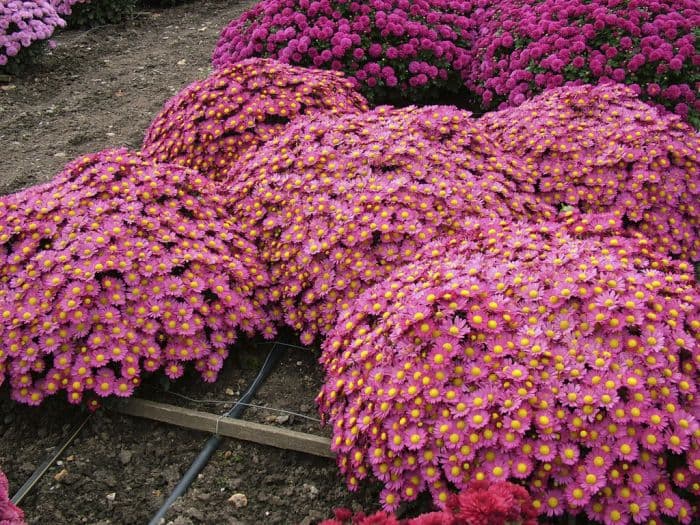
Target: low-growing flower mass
23, 23
335, 203
120, 265
212, 122
550, 353
393, 50
524, 47
601, 149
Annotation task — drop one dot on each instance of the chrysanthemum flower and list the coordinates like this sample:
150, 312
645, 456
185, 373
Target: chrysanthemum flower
336, 203
601, 149
475, 388
211, 123
78, 271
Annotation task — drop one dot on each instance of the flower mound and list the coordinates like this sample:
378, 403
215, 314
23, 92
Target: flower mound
116, 266
570, 363
481, 503
395, 50
10, 514
525, 47
209, 124
24, 22
336, 203
601, 149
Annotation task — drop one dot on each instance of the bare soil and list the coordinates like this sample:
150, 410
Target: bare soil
100, 88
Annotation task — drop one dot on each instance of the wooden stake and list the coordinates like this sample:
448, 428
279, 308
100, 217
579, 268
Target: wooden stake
233, 428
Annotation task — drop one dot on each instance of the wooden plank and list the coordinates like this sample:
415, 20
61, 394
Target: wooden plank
233, 428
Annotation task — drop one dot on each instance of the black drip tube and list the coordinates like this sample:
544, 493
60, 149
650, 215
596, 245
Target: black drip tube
214, 441
46, 465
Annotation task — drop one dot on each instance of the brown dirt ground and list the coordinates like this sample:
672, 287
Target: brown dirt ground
100, 88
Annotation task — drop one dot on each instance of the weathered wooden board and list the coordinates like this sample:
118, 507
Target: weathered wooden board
233, 428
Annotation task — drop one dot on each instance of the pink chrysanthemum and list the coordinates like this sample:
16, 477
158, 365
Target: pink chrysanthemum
212, 122
601, 149
475, 388
55, 301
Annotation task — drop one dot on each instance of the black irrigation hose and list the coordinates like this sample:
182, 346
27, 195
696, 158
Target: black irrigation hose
214, 441
41, 469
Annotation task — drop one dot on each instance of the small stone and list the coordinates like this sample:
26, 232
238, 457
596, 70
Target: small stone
61, 475
311, 489
8, 87
238, 500
111, 496
230, 392
125, 456
282, 419
181, 62
203, 496
60, 154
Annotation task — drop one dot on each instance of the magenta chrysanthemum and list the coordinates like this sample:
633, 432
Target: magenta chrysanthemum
336, 203
209, 124
523, 48
393, 50
601, 149
523, 351
115, 266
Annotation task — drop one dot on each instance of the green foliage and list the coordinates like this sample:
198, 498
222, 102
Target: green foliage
26, 59
101, 12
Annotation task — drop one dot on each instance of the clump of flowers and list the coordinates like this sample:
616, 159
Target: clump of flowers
481, 503
65, 7
336, 203
24, 24
209, 124
569, 361
394, 50
119, 266
525, 47
10, 514
601, 149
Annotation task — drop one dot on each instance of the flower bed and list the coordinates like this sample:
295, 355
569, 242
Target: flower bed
210, 123
522, 351
115, 267
336, 203
525, 47
601, 149
396, 51
487, 54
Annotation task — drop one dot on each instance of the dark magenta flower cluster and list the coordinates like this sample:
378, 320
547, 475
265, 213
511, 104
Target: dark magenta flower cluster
524, 47
211, 123
601, 149
335, 203
497, 53
481, 503
24, 22
393, 49
549, 353
10, 514
119, 266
